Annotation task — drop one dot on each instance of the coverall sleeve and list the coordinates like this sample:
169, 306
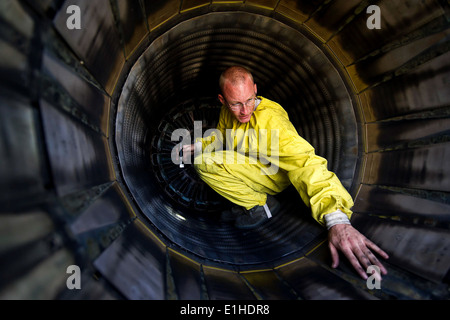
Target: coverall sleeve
319, 188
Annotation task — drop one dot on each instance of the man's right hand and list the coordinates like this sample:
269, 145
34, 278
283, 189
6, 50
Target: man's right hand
188, 150
356, 247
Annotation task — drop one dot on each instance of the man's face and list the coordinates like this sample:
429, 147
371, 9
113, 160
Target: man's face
240, 99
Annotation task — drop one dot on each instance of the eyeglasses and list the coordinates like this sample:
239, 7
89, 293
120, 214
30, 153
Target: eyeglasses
237, 106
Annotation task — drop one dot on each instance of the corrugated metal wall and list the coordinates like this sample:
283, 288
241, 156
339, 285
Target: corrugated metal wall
68, 173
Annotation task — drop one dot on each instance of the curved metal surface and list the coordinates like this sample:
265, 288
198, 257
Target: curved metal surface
176, 71
83, 116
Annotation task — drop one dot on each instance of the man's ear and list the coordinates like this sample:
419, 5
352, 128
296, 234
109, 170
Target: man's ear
256, 90
221, 99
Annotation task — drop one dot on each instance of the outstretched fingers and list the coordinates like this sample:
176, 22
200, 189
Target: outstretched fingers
334, 255
357, 249
378, 251
357, 259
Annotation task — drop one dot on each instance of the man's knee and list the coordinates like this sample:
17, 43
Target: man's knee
201, 163
198, 167
207, 164
198, 163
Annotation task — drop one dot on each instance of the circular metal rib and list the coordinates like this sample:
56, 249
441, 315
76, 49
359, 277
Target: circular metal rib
175, 82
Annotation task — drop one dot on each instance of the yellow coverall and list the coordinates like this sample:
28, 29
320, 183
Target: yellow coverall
265, 156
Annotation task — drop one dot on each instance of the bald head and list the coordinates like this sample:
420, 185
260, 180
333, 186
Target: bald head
235, 76
238, 92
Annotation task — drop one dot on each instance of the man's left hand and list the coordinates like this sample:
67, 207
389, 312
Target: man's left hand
356, 247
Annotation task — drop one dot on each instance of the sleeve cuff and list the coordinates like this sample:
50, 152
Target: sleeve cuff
334, 218
198, 146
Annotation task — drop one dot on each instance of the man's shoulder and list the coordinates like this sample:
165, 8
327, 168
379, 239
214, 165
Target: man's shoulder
271, 108
269, 103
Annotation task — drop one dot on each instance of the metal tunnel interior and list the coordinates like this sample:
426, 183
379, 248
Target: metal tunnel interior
86, 117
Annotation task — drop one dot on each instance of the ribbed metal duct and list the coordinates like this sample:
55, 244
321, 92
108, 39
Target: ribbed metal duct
86, 119
174, 83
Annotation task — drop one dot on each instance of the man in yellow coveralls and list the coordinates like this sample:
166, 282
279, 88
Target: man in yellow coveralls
264, 154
